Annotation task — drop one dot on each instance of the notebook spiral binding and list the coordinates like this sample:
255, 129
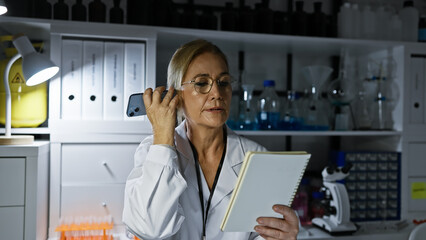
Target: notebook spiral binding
298, 183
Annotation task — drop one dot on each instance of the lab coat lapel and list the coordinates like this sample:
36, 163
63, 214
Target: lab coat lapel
231, 166
184, 148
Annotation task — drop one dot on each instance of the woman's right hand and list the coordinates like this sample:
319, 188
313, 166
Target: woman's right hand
161, 114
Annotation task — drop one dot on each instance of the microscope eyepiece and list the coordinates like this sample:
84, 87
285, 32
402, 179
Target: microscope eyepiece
347, 167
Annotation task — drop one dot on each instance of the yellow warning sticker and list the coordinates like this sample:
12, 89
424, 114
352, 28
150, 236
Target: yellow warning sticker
17, 79
418, 190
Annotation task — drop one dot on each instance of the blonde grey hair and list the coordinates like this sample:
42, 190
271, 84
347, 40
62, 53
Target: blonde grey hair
183, 57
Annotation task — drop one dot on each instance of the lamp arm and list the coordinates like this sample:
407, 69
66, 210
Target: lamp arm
8, 119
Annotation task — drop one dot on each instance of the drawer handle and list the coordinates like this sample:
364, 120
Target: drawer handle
104, 204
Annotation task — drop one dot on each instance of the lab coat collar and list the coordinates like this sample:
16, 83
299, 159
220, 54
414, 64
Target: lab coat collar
230, 169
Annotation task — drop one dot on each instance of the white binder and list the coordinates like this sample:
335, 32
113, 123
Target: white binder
71, 64
134, 72
92, 87
113, 81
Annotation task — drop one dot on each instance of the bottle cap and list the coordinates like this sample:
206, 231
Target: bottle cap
268, 83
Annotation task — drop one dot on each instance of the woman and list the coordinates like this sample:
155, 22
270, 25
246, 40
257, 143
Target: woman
183, 178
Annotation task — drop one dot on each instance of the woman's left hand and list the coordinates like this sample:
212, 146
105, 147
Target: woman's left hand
279, 228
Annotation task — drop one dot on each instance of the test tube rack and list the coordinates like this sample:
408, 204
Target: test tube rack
86, 228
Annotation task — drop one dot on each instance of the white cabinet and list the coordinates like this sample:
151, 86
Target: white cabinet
88, 179
93, 179
24, 191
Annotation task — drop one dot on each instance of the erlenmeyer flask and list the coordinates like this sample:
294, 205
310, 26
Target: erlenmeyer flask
316, 117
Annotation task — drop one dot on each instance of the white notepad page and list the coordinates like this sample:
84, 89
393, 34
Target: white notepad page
265, 179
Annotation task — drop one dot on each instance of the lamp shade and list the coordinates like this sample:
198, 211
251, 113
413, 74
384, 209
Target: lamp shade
35, 67
3, 8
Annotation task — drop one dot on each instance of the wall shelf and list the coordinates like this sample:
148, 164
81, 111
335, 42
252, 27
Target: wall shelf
39, 130
320, 133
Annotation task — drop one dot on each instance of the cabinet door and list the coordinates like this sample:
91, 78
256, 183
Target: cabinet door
97, 201
97, 163
12, 223
12, 181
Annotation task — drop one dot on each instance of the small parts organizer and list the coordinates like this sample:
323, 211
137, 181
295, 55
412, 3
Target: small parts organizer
86, 228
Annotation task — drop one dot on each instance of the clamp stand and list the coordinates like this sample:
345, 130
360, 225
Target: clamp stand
337, 218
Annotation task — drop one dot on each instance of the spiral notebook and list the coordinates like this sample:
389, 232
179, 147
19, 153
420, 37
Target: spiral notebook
265, 179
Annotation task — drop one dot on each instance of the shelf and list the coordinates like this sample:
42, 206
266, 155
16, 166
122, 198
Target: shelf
320, 133
40, 28
40, 130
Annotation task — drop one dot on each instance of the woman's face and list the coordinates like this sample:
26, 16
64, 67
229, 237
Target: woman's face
206, 109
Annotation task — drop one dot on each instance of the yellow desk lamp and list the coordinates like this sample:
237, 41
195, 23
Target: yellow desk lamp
36, 69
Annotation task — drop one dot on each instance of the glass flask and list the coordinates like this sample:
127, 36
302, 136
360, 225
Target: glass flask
247, 113
360, 109
291, 118
382, 73
315, 115
341, 92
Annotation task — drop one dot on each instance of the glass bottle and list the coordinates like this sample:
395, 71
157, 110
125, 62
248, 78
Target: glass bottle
410, 21
44, 10
228, 18
264, 18
60, 10
291, 118
422, 29
97, 11
208, 20
299, 20
163, 12
268, 107
246, 19
138, 12
247, 114
318, 26
116, 14
78, 11
189, 16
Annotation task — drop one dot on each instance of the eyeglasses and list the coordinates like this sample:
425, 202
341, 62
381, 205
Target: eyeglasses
203, 83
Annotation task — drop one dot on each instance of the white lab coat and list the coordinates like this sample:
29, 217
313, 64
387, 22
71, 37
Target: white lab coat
161, 196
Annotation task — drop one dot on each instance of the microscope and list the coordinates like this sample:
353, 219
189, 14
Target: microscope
336, 219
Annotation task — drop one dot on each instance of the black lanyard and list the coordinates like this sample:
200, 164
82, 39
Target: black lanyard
200, 187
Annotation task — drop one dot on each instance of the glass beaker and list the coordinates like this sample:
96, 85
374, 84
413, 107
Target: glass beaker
247, 113
316, 117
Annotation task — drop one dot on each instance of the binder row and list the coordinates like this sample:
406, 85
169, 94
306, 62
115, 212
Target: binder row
98, 77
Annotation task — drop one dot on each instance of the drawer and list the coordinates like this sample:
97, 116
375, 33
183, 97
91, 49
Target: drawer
97, 163
99, 200
12, 181
11, 222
